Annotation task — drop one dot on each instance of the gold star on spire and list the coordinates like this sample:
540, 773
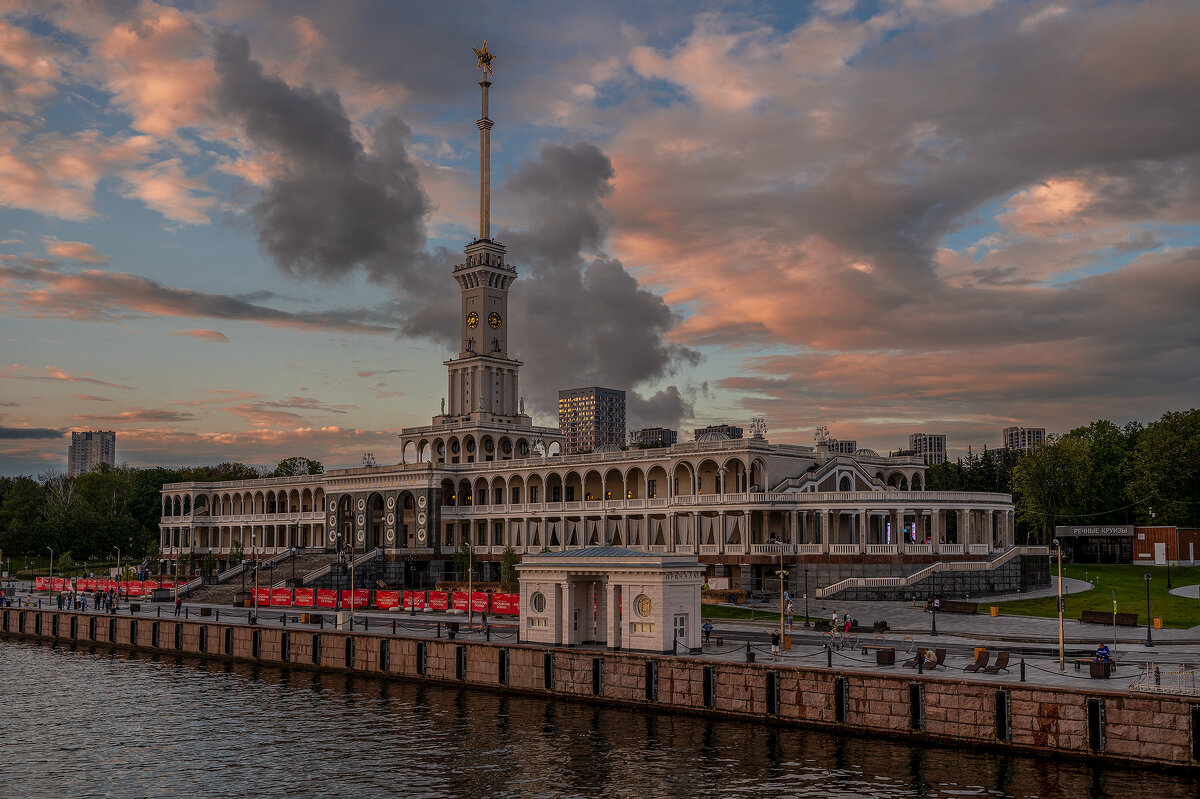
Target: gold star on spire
485, 58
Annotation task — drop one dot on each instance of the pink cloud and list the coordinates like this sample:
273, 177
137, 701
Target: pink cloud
21, 372
76, 251
91, 398
205, 335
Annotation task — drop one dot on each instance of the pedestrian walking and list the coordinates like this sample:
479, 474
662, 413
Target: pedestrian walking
178, 604
789, 615
774, 645
707, 629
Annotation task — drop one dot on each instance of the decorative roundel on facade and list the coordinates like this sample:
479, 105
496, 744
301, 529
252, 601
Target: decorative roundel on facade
361, 520
362, 503
421, 517
332, 520
391, 519
538, 602
360, 536
332, 536
643, 605
333, 504
391, 536
421, 501
391, 502
421, 534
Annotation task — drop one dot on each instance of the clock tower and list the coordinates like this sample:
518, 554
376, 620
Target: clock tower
483, 379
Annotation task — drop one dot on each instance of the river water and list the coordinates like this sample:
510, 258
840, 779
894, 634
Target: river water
76, 722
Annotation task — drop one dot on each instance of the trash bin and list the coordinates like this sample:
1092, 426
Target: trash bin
787, 642
995, 611
885, 657
1157, 623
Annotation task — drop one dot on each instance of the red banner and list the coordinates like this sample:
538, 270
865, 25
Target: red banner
303, 598
56, 584
439, 600
514, 604
501, 603
39, 583
386, 600
112, 585
326, 598
362, 597
459, 601
479, 601
136, 588
281, 597
417, 600
262, 597
89, 585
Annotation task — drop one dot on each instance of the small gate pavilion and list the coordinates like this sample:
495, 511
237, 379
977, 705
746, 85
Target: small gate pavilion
629, 600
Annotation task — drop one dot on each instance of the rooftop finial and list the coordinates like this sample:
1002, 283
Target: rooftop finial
485, 58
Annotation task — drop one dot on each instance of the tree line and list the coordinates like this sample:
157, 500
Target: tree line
109, 507
1093, 475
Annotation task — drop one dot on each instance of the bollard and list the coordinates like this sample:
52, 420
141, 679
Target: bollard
158, 611
187, 612
218, 614
675, 646
829, 656
439, 634
393, 626
283, 618
320, 622
487, 631
1022, 669
366, 622
749, 654
920, 663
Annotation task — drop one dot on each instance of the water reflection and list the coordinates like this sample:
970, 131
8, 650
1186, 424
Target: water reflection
96, 723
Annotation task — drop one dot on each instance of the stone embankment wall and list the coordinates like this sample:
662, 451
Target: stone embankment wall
1144, 729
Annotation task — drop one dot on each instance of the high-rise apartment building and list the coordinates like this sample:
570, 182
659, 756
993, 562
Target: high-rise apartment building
842, 446
90, 447
1023, 437
930, 446
591, 417
727, 429
654, 437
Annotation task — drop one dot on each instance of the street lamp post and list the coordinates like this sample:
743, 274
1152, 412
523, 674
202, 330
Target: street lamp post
254, 557
51, 588
295, 552
782, 574
1062, 659
806, 624
1149, 642
933, 606
470, 575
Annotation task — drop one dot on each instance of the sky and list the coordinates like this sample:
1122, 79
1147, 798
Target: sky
227, 228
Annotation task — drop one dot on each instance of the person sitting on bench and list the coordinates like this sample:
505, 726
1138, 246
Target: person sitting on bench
1102, 654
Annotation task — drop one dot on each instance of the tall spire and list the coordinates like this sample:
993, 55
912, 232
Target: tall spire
485, 144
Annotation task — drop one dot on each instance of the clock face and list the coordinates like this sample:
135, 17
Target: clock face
494, 320
472, 320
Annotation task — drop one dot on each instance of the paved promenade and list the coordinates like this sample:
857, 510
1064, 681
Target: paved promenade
1034, 640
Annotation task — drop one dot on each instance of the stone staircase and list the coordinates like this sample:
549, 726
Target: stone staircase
223, 593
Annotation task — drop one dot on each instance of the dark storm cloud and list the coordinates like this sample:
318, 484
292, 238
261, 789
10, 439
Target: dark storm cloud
603, 328
29, 432
333, 207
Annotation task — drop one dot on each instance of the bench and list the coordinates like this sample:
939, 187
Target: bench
1107, 617
955, 606
884, 655
1099, 671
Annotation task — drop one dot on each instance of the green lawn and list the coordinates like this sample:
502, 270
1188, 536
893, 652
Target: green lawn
723, 612
1130, 587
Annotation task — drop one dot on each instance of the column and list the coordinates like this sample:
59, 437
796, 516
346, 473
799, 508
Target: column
612, 629
794, 525
722, 533
864, 530
989, 518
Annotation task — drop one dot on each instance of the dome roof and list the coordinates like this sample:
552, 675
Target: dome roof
603, 448
868, 452
713, 435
